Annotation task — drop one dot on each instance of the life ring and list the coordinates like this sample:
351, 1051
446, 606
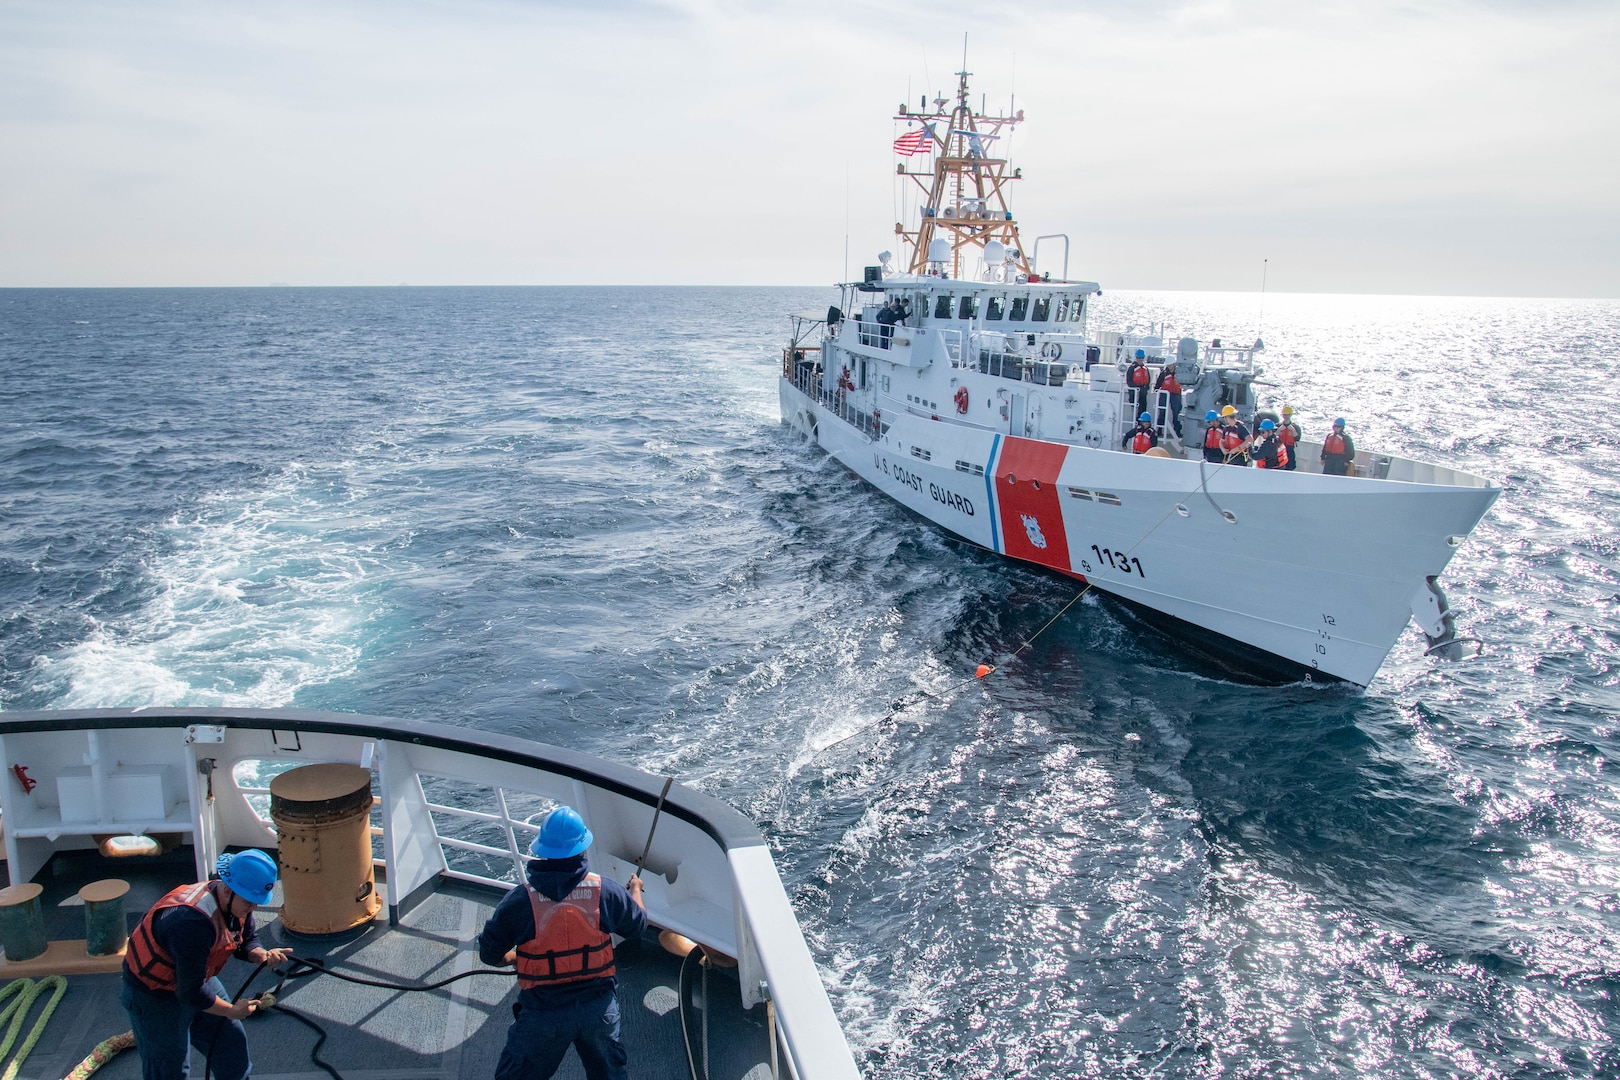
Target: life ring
1052, 350
962, 399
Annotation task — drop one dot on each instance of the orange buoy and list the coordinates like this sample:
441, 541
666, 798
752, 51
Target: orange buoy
984, 669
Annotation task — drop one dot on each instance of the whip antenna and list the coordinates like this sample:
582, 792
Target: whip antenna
1260, 327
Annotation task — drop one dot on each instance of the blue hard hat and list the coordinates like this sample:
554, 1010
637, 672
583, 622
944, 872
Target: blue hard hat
1268, 425
249, 874
1140, 354
1146, 417
562, 835
1339, 422
1210, 417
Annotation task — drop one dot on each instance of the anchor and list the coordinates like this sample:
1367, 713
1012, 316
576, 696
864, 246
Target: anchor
1432, 612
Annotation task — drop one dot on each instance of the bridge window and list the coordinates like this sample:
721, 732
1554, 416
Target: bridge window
942, 306
1020, 307
1062, 309
1078, 312
995, 308
969, 307
1043, 308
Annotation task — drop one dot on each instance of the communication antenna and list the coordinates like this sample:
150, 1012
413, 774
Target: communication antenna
846, 219
1260, 327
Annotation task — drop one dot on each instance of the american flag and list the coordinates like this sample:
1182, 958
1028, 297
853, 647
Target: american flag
915, 141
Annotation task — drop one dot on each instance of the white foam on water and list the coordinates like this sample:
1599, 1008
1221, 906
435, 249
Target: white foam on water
255, 596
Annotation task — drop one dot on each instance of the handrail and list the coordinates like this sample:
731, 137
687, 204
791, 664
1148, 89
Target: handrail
1035, 254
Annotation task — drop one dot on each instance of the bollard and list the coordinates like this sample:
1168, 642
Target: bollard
105, 928
322, 815
22, 923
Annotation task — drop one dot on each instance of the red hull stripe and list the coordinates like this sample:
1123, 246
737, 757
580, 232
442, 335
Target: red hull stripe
1030, 508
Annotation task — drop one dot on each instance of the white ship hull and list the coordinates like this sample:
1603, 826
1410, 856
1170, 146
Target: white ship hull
1320, 572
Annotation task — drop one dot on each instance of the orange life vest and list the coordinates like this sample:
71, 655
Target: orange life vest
1288, 434
1212, 437
1169, 385
1139, 375
568, 943
1142, 443
1231, 439
152, 965
1282, 458
1333, 444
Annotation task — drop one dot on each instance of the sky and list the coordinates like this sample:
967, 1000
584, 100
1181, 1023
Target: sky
1453, 148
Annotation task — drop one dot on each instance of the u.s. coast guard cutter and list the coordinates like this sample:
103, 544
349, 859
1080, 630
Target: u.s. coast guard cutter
991, 410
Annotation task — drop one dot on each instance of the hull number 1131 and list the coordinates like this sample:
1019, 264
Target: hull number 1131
1118, 560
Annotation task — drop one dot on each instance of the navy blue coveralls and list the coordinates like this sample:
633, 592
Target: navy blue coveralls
164, 1021
548, 1019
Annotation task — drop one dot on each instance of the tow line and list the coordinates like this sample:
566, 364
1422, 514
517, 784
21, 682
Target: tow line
22, 993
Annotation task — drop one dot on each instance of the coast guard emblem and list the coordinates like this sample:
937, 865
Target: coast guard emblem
1033, 528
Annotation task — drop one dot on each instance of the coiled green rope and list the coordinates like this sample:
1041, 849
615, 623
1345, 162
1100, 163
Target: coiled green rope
22, 993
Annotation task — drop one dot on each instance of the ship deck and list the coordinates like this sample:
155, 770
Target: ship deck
373, 1033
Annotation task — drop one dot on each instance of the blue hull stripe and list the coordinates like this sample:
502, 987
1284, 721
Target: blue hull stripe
990, 492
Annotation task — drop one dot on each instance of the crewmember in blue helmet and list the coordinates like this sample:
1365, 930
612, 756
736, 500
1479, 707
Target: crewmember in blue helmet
1268, 452
171, 986
1138, 379
1338, 451
556, 929
1141, 438
1212, 438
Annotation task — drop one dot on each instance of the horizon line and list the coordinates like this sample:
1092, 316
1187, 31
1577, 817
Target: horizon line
654, 285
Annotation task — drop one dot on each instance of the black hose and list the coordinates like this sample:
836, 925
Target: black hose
208, 1058
680, 1000
314, 1051
302, 967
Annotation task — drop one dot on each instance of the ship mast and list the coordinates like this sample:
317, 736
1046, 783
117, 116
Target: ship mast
966, 191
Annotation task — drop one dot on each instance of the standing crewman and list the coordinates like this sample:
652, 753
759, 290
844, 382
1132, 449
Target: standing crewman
171, 987
1141, 438
1268, 451
1338, 451
1172, 387
1212, 438
556, 930
1234, 438
1288, 434
886, 318
1137, 378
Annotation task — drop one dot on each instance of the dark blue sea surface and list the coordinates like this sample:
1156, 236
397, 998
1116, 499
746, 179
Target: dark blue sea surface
573, 515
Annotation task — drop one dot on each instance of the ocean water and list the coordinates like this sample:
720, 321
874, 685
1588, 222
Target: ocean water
573, 515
